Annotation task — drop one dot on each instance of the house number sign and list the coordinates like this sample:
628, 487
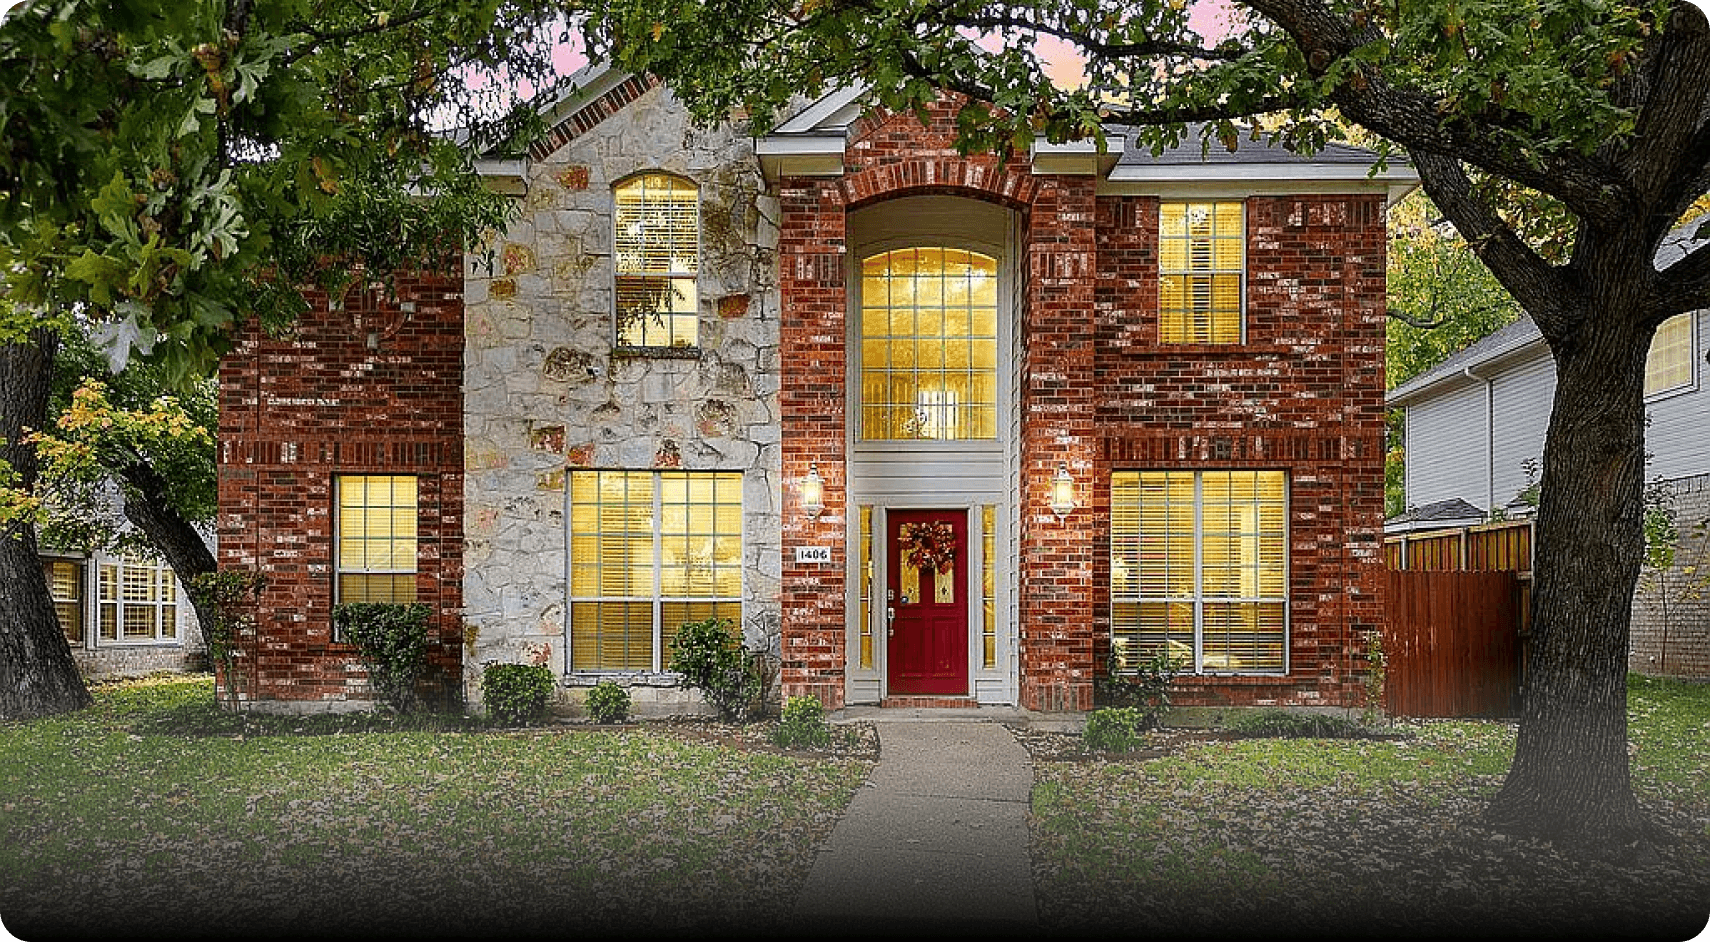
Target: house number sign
813, 554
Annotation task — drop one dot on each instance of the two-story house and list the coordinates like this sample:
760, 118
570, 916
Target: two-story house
939, 429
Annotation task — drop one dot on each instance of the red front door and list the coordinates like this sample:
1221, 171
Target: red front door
928, 580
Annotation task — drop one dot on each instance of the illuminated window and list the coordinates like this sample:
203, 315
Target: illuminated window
866, 538
136, 601
65, 583
929, 345
376, 538
650, 551
1198, 567
1669, 366
656, 220
1201, 267
988, 586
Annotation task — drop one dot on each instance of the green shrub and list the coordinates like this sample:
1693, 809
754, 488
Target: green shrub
1115, 729
608, 703
1145, 686
710, 656
391, 641
516, 694
802, 723
1290, 724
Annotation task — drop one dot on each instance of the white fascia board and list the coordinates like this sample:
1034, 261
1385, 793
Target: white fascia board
801, 155
1466, 372
1259, 173
1080, 157
585, 86
507, 177
828, 109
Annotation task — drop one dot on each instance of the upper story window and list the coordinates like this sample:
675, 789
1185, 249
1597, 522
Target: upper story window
375, 546
656, 242
1669, 366
1201, 270
929, 345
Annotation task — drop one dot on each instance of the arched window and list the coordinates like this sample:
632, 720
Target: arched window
656, 253
929, 345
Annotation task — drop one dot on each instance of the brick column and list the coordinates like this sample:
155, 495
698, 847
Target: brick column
1058, 428
811, 398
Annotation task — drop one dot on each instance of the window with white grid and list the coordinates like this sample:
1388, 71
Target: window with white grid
656, 242
1201, 271
1199, 568
650, 551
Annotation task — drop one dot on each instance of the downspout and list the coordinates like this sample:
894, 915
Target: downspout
1489, 440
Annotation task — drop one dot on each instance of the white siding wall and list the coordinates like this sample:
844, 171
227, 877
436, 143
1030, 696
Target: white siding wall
1679, 436
1447, 451
1446, 447
1522, 393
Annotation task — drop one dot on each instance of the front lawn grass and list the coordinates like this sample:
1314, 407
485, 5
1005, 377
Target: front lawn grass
152, 812
1316, 837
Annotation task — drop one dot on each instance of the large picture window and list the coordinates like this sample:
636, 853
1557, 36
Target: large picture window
375, 538
929, 345
1198, 568
650, 551
1201, 270
136, 601
656, 221
1669, 366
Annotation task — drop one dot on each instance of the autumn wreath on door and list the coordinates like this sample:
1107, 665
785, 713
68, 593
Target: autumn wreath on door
928, 545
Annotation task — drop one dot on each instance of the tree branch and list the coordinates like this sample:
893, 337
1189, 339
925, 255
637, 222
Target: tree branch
1534, 283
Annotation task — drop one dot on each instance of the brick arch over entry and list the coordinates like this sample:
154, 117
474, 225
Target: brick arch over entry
896, 156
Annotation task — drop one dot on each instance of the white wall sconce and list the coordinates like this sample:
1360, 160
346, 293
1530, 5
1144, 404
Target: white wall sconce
1062, 492
813, 492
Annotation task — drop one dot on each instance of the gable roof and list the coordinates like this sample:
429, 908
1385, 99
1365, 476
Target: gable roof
1521, 338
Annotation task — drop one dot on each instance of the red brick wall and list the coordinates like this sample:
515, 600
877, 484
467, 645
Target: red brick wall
1303, 394
295, 412
811, 405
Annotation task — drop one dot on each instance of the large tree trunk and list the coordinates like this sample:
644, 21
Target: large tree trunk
37, 674
147, 507
1570, 777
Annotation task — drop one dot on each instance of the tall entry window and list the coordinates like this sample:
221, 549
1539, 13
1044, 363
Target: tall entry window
649, 552
929, 345
1198, 568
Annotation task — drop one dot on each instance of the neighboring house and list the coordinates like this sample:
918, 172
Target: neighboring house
1116, 402
1475, 430
123, 615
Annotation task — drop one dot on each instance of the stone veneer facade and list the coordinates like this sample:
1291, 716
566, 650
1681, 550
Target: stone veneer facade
546, 391
494, 389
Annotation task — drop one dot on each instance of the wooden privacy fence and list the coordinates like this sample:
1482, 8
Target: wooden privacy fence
1458, 603
1452, 643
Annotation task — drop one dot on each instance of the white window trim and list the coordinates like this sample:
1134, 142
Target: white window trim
94, 605
1692, 349
700, 247
656, 600
1162, 273
338, 526
1198, 600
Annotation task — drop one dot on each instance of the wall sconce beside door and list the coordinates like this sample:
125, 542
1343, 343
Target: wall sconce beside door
813, 492
1062, 492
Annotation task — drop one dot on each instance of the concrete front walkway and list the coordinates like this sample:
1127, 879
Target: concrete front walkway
936, 839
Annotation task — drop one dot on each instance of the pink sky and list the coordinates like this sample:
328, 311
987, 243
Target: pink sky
1209, 19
